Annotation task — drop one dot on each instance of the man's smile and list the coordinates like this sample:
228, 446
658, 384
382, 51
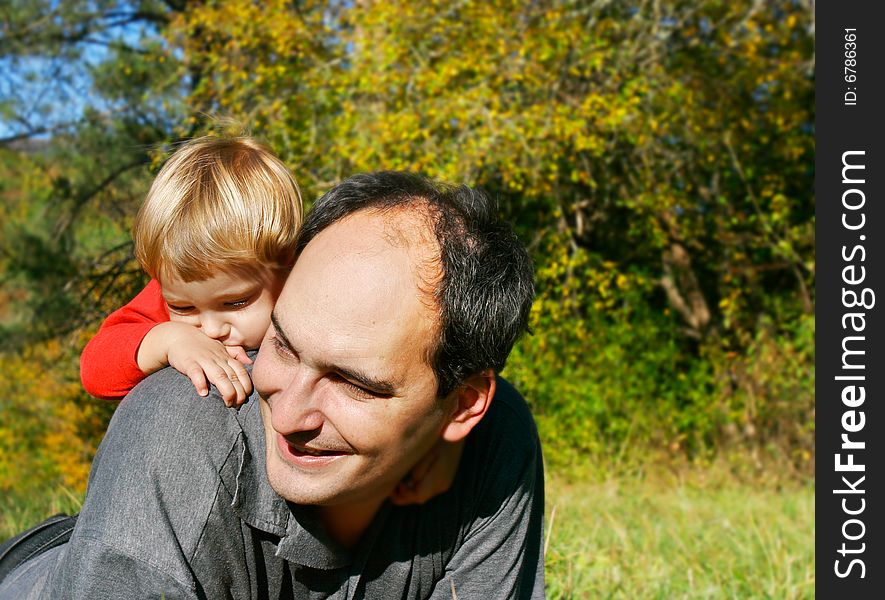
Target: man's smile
306, 456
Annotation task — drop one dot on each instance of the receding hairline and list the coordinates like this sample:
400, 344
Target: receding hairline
412, 226
422, 247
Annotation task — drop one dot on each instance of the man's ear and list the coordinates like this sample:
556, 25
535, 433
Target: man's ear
472, 401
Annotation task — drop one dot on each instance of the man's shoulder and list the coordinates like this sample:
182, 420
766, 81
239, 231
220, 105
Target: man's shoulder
504, 449
157, 476
160, 388
491, 518
508, 433
165, 421
510, 405
168, 397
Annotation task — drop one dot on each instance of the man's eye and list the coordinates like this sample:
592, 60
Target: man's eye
355, 390
281, 348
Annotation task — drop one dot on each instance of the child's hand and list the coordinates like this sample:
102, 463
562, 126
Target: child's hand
239, 353
432, 476
193, 353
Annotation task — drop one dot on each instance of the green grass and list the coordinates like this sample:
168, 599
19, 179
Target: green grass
17, 512
635, 539
698, 537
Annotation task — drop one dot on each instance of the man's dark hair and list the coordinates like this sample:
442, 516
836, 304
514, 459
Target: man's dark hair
486, 286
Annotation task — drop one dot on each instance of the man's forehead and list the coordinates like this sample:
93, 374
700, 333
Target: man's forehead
356, 296
371, 257
404, 235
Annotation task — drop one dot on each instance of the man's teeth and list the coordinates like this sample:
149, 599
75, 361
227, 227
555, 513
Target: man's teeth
312, 452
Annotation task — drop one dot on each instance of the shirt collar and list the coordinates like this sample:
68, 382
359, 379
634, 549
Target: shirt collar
302, 539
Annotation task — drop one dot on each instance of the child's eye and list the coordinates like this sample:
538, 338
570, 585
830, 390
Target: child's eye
237, 303
179, 309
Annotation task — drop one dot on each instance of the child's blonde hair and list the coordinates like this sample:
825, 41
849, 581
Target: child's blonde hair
218, 204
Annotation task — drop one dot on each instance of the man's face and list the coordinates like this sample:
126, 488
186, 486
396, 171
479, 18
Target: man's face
347, 396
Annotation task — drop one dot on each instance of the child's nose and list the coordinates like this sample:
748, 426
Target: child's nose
215, 327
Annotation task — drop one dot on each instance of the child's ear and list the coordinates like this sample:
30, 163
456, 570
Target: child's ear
472, 401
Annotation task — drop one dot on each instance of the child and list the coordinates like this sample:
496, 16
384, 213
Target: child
216, 234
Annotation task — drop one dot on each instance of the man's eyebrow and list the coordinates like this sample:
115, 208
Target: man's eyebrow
379, 386
279, 330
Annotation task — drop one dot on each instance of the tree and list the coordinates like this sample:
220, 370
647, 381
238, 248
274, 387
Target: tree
654, 154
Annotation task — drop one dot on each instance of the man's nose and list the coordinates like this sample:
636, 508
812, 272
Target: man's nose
298, 406
214, 326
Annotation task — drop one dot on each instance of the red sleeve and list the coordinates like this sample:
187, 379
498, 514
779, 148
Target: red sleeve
108, 366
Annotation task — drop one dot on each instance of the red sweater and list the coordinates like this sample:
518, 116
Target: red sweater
108, 365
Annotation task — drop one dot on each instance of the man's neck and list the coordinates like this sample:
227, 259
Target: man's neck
346, 523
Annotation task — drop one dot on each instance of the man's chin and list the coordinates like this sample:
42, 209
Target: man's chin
293, 486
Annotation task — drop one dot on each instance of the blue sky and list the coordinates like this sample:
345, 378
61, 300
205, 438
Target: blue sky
51, 91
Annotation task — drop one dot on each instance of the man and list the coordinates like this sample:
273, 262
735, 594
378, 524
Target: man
404, 302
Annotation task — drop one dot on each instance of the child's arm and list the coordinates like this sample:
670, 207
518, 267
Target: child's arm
108, 366
116, 359
433, 475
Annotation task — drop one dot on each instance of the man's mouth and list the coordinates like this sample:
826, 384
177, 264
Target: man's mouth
312, 451
306, 455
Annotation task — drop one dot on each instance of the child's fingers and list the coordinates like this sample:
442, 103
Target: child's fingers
241, 393
238, 353
242, 376
237, 377
198, 378
225, 381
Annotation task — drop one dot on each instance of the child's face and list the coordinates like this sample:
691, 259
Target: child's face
232, 309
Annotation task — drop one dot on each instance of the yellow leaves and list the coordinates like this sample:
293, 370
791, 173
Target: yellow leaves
52, 437
525, 97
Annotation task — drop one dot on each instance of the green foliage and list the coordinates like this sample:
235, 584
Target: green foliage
655, 156
615, 383
612, 378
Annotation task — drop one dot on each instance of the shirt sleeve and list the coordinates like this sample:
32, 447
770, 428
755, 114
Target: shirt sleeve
108, 365
101, 570
501, 555
153, 484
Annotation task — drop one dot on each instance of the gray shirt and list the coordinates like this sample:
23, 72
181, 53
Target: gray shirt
179, 506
